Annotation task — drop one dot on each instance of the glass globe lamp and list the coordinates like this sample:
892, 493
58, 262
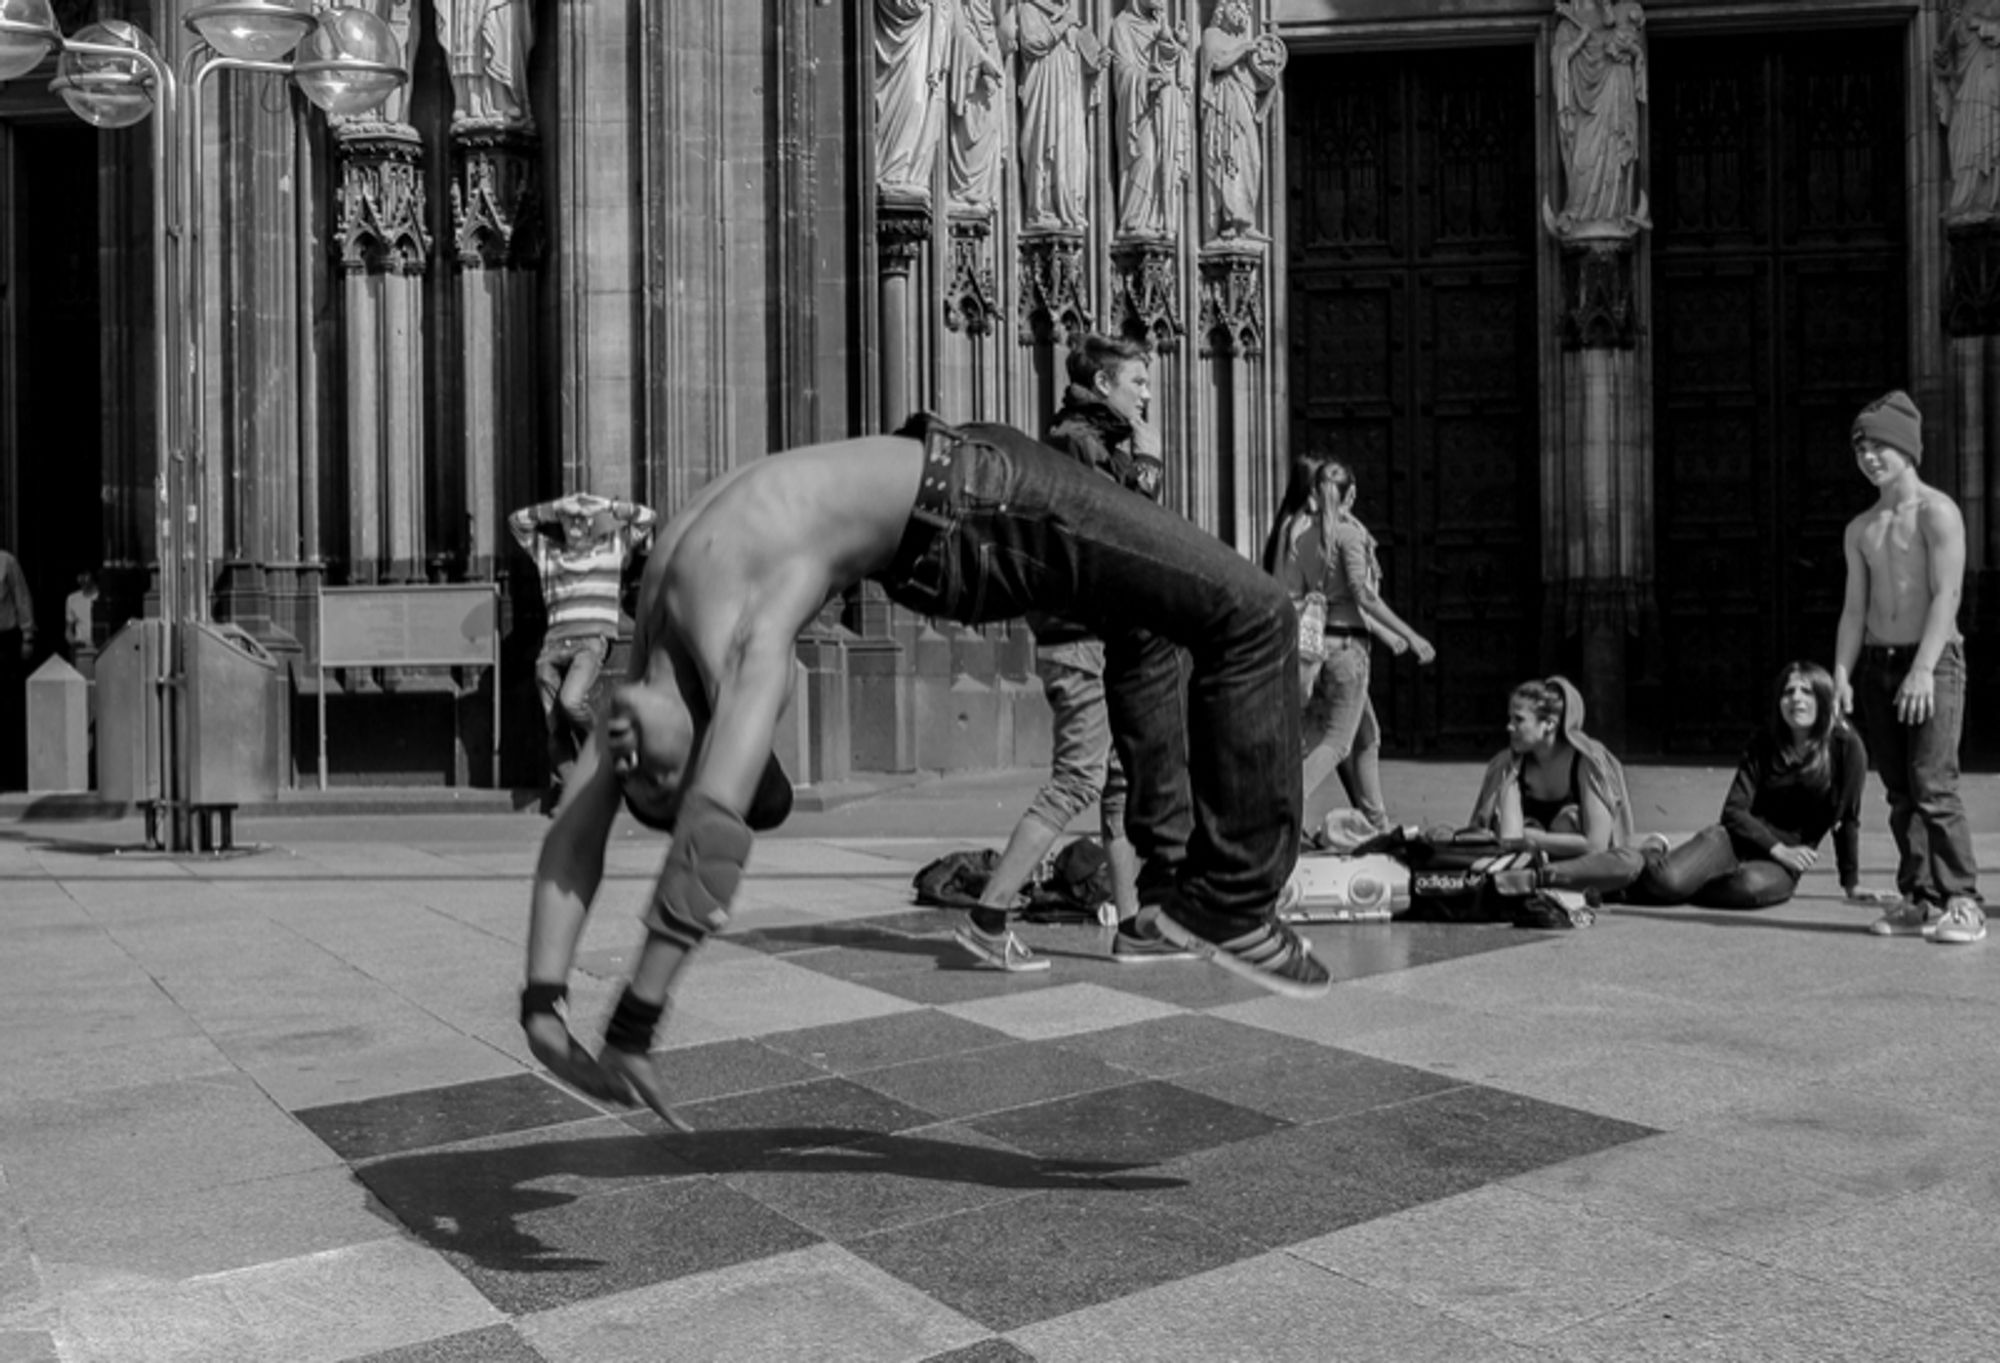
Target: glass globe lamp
107, 91
28, 33
350, 63
252, 30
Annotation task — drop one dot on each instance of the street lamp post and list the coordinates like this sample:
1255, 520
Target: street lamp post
345, 60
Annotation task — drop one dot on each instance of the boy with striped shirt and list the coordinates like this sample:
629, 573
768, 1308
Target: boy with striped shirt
579, 543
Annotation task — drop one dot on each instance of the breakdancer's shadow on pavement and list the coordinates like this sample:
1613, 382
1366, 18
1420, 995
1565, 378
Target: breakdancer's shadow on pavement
485, 1203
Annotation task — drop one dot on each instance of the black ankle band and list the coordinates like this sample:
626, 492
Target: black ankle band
632, 1024
541, 998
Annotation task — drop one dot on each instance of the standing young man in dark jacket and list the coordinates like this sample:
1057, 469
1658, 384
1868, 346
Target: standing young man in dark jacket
1102, 425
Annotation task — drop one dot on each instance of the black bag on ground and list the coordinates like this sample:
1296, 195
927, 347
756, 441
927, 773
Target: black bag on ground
1451, 876
955, 879
1076, 880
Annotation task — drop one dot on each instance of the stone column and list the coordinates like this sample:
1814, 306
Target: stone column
902, 231
1972, 324
1597, 474
1235, 327
384, 249
1146, 306
1054, 309
971, 361
497, 236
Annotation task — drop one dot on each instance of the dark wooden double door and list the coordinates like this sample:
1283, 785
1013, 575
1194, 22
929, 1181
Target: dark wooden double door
1777, 305
1411, 287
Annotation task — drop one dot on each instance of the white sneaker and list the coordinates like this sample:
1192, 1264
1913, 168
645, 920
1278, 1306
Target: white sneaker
1905, 918
1964, 922
1002, 950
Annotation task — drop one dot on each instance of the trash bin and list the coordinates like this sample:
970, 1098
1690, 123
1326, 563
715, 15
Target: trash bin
232, 717
128, 713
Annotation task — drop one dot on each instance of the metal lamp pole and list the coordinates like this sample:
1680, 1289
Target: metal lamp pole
112, 75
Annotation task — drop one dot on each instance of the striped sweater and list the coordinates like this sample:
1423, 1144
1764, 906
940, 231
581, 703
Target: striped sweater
580, 583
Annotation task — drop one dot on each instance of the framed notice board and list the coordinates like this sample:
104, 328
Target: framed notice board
452, 625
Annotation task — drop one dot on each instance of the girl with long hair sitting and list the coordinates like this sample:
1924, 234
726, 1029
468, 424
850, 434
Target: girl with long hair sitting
1800, 777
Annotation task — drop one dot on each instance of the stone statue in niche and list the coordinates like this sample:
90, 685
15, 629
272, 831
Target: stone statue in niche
912, 39
977, 91
487, 44
1239, 70
1967, 87
1598, 65
1152, 73
1060, 61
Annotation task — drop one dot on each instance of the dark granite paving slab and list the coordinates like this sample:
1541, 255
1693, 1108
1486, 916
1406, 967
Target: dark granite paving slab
888, 1181
440, 1116
892, 1039
1354, 951
862, 932
985, 1351
958, 978
1314, 1085
1028, 1260
993, 1080
1164, 1047
475, 1191
591, 1247
736, 1133
1137, 1124
885, 954
694, 1074
1544, 1132
495, 1344
1298, 1184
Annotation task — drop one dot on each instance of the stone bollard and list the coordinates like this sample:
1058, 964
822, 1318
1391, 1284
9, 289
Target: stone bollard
58, 728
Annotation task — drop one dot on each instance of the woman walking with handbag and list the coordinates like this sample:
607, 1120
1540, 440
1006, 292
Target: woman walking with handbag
1326, 558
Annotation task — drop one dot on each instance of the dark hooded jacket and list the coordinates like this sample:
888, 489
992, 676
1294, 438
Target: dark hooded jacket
1091, 431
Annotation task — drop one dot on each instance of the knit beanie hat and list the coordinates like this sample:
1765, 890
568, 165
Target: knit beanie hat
1895, 421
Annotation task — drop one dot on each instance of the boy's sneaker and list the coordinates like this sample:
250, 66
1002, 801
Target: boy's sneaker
1906, 918
1964, 922
1002, 950
1139, 943
1270, 954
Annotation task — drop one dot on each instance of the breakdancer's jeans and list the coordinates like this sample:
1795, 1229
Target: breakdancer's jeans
1004, 525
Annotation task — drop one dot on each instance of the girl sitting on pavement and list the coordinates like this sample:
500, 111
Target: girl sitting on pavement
1799, 778
1561, 792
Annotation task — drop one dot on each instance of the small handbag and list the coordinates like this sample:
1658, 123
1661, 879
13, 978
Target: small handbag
1312, 628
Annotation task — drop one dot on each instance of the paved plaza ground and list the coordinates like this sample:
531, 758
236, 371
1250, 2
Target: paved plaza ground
276, 1106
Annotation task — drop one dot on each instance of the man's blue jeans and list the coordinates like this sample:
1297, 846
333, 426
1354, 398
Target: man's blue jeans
1082, 767
1918, 764
1213, 805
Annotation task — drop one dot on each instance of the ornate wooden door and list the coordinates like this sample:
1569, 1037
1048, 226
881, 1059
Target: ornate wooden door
1412, 304
1779, 307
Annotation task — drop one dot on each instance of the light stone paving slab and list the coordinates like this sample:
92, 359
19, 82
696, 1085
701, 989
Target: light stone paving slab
1746, 1313
210, 1230
1516, 1266
1930, 1252
33, 1066
820, 1303
1955, 1069
752, 997
1060, 1010
1877, 1146
1710, 1196
318, 1308
816, 858
118, 1145
348, 1075
1275, 1308
1641, 1083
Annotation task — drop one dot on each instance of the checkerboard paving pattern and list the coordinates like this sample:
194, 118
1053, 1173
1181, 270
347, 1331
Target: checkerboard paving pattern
979, 1155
